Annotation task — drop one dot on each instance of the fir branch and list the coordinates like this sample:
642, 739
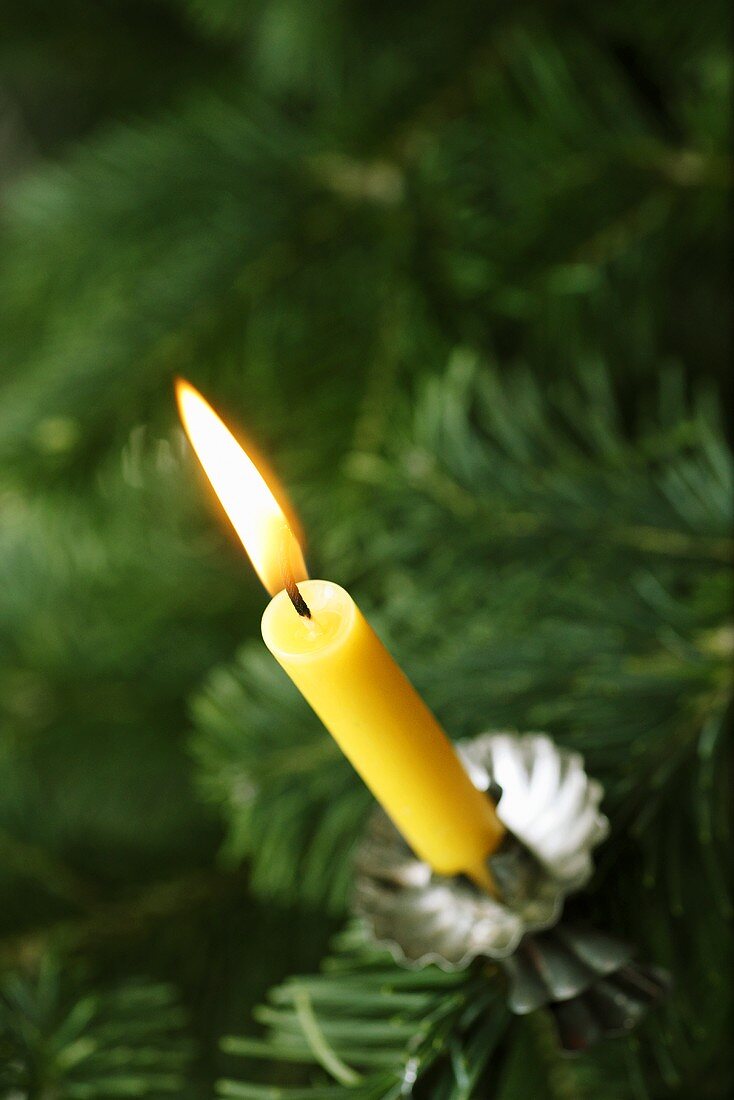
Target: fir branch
59, 1039
221, 211
621, 651
283, 786
529, 182
376, 1030
580, 628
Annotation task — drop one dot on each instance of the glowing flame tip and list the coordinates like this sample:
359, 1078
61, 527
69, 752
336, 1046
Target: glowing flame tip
252, 507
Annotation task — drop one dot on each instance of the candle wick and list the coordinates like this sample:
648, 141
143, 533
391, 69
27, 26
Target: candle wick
296, 598
289, 583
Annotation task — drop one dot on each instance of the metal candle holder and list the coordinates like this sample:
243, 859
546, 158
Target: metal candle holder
550, 808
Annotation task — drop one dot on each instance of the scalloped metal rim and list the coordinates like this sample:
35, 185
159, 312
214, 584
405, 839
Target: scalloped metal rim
383, 874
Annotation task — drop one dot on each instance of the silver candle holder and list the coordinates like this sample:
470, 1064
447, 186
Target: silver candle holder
551, 810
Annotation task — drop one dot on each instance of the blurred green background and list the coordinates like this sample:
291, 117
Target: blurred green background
321, 214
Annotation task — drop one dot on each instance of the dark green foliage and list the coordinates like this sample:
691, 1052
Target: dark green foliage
584, 589
462, 272
395, 1028
59, 1041
286, 791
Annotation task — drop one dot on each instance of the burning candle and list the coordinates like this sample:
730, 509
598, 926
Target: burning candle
320, 638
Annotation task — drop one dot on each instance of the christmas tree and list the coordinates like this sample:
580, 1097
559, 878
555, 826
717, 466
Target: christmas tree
462, 273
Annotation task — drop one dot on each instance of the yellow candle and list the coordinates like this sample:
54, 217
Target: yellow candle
343, 670
340, 666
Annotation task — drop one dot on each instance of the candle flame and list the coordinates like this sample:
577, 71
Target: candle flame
261, 522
